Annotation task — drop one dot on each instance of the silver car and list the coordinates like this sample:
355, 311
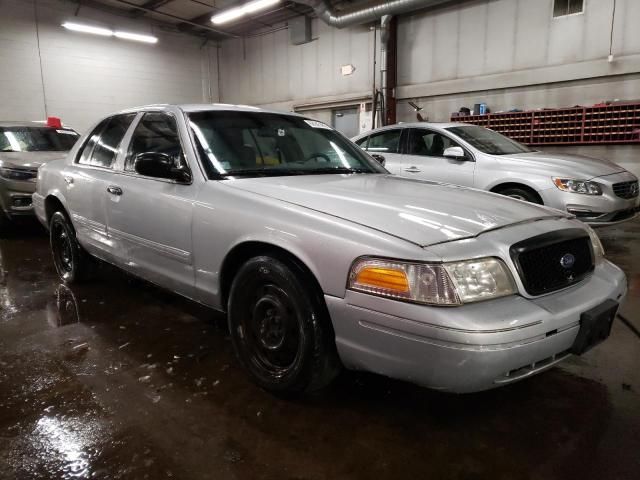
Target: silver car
24, 146
320, 258
598, 192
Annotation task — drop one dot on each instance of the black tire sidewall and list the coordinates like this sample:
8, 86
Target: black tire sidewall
301, 374
59, 219
525, 194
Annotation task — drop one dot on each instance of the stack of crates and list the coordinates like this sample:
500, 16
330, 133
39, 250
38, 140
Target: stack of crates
619, 123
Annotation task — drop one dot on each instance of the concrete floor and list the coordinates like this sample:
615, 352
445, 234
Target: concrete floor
119, 379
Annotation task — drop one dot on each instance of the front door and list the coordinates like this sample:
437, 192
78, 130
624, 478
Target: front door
149, 218
424, 159
346, 121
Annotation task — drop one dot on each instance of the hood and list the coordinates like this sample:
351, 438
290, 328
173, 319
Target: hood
557, 164
29, 159
420, 212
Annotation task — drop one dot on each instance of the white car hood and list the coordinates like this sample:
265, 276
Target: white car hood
560, 164
424, 213
29, 159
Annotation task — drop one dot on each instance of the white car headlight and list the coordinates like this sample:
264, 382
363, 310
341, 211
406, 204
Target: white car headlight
598, 249
442, 284
584, 187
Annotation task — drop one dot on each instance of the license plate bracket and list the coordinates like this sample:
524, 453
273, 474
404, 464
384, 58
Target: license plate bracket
595, 326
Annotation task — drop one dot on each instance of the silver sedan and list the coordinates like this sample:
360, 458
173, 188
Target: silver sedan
320, 258
25, 146
598, 192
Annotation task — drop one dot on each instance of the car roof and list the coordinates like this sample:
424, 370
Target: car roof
206, 107
435, 125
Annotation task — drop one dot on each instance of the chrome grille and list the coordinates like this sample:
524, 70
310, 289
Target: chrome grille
626, 189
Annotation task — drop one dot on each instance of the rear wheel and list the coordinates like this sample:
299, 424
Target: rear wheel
71, 261
521, 194
280, 329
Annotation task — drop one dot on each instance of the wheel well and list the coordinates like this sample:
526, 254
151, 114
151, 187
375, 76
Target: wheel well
504, 186
52, 204
244, 251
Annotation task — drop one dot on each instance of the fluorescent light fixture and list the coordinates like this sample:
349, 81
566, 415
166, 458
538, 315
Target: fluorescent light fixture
237, 12
105, 32
79, 27
136, 37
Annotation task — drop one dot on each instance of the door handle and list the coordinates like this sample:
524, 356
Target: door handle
114, 190
69, 180
412, 170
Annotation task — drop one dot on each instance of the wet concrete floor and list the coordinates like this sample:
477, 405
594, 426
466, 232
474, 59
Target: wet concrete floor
118, 379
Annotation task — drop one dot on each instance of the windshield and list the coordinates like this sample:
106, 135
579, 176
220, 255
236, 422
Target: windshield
488, 141
36, 139
244, 144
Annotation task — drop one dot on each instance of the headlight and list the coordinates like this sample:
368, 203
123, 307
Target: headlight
17, 174
577, 186
598, 249
451, 283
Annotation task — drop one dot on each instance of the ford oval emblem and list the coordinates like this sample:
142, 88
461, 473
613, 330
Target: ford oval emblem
567, 260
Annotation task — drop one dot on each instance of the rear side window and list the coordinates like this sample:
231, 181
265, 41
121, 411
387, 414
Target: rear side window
156, 132
103, 146
384, 142
362, 143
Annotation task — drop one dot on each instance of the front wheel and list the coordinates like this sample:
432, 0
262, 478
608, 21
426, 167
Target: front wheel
71, 261
279, 328
521, 194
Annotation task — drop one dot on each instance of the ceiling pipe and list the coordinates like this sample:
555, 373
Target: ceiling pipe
325, 12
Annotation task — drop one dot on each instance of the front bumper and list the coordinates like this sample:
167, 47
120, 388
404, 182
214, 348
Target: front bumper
15, 197
597, 210
469, 348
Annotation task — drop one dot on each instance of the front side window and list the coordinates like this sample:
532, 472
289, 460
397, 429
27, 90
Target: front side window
261, 144
428, 143
387, 141
36, 139
157, 132
488, 141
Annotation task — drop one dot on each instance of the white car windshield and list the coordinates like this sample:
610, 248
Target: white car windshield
36, 139
242, 144
488, 141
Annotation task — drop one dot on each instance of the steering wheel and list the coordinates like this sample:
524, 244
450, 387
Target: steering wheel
324, 156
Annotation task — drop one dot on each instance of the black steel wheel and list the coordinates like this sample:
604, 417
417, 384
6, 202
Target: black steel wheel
70, 260
279, 327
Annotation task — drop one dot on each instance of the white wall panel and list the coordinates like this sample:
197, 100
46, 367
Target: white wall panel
87, 76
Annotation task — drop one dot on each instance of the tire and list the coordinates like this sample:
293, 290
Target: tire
72, 263
521, 194
280, 328
5, 224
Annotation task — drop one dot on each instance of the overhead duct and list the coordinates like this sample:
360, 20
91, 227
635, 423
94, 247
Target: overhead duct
325, 12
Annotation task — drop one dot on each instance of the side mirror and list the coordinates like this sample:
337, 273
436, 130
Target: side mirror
455, 153
160, 165
378, 158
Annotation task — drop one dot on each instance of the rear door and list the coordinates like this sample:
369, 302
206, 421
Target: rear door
424, 158
385, 143
86, 183
149, 218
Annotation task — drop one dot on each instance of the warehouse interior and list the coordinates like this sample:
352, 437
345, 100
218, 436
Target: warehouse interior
122, 379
